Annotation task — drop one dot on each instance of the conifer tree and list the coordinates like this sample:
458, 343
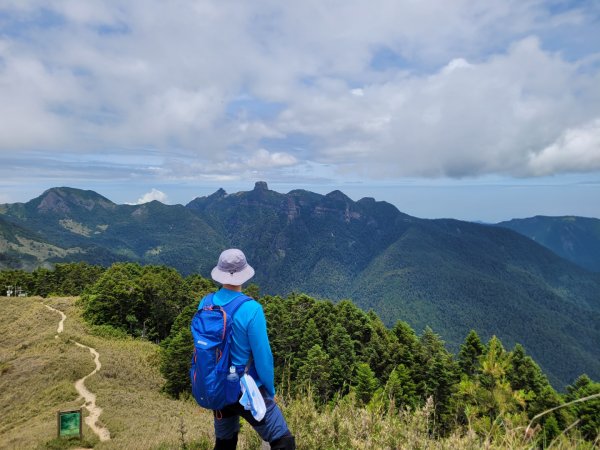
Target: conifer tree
252, 290
356, 323
587, 412
283, 337
494, 363
382, 348
468, 356
401, 388
310, 338
341, 352
495, 395
523, 373
366, 383
114, 296
175, 362
315, 372
407, 343
551, 429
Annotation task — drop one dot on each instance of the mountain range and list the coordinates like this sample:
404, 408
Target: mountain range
574, 238
447, 274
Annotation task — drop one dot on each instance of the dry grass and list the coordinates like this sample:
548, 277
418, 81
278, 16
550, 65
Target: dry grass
38, 372
345, 426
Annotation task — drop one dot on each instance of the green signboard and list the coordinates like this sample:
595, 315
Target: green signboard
69, 423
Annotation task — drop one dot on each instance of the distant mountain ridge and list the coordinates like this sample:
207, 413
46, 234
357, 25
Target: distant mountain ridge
447, 274
574, 238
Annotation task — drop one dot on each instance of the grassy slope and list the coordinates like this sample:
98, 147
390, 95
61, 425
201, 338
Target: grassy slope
38, 371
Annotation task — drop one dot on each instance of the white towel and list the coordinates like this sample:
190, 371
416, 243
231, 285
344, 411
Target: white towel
252, 399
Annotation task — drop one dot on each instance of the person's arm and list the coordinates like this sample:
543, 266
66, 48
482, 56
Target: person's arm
261, 350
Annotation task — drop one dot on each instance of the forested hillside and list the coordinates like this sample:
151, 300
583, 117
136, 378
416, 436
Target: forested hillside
574, 238
451, 275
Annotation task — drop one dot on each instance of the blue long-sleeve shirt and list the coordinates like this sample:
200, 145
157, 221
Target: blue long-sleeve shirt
249, 337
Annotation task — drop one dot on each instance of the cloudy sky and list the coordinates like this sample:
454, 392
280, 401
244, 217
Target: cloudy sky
475, 110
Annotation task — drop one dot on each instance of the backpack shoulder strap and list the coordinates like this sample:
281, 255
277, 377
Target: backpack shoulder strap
208, 300
234, 305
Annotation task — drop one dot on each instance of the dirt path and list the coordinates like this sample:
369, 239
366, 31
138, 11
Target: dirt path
89, 397
61, 324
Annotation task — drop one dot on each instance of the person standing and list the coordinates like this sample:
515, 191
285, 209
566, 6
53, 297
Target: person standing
250, 347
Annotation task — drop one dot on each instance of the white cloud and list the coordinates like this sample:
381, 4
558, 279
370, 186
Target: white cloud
487, 119
263, 159
476, 88
456, 64
154, 194
576, 150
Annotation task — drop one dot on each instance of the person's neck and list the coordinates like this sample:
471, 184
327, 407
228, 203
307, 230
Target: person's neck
232, 287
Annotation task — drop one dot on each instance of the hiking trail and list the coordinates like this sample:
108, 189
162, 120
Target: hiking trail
89, 397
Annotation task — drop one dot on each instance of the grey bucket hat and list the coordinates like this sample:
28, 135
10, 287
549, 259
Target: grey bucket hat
232, 268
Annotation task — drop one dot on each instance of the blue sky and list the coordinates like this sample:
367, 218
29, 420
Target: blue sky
473, 110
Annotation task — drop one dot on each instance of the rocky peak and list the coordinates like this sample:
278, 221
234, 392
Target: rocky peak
261, 186
218, 193
52, 201
339, 196
63, 200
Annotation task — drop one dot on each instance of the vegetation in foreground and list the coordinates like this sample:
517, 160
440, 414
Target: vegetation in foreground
370, 387
38, 372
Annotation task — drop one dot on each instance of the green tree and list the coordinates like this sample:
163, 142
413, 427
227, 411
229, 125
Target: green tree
175, 362
163, 298
488, 394
356, 323
74, 278
284, 339
468, 356
436, 374
382, 348
551, 429
197, 287
524, 374
45, 282
343, 359
408, 343
366, 383
116, 295
587, 412
494, 363
252, 290
310, 338
19, 278
315, 372
401, 388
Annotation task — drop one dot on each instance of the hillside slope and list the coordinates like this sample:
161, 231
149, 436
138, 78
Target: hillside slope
91, 228
38, 371
574, 238
474, 277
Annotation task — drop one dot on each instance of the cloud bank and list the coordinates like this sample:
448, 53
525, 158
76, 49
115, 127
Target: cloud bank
217, 90
154, 194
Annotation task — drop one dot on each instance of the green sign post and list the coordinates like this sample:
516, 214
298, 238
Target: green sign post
69, 423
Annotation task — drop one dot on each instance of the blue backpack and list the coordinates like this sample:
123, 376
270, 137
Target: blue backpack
211, 362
